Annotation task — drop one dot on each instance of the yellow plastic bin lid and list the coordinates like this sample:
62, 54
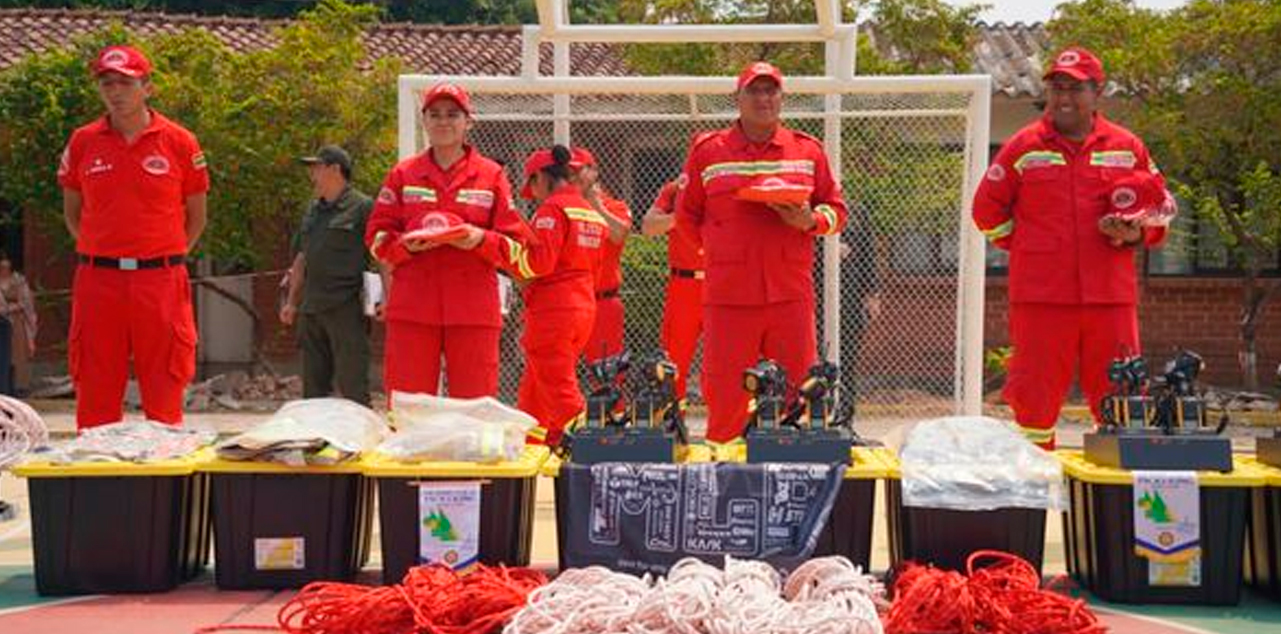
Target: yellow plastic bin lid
1243, 474
218, 465
176, 467
382, 466
1271, 474
869, 463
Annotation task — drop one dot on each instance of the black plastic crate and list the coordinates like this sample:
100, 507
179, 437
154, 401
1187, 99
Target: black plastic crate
96, 533
507, 496
1263, 542
945, 538
1098, 537
319, 520
506, 522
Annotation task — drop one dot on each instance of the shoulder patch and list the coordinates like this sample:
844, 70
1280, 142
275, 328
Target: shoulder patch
996, 173
386, 196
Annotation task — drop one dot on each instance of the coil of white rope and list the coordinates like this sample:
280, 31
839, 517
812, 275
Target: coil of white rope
21, 430
828, 595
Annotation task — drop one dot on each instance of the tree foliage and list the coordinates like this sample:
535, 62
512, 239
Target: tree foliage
253, 112
905, 36
1202, 86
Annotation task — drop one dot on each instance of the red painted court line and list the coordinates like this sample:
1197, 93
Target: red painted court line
182, 610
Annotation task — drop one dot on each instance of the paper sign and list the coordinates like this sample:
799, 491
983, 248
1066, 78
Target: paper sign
1167, 526
280, 553
449, 523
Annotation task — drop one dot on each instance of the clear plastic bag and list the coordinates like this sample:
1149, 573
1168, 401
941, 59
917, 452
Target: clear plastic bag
311, 431
433, 428
975, 463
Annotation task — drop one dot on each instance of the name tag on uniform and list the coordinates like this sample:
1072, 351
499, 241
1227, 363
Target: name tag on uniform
478, 197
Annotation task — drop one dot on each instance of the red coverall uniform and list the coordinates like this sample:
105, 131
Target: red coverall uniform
131, 297
683, 307
561, 264
443, 301
758, 297
607, 334
1072, 293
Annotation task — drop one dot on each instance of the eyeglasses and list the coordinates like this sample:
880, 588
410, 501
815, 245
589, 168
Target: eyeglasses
1070, 87
762, 90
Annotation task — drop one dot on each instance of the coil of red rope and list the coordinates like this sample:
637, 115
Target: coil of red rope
429, 600
1003, 597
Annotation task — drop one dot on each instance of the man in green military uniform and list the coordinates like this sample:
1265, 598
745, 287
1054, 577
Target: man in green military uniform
325, 281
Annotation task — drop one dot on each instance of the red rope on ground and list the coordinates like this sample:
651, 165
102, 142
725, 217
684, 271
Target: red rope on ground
429, 600
1004, 597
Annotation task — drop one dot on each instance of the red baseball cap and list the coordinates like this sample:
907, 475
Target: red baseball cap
535, 163
581, 156
756, 70
1136, 193
448, 91
126, 60
1079, 64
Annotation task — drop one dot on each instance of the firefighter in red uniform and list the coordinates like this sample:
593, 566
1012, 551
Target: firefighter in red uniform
134, 185
560, 265
683, 306
1046, 199
607, 334
758, 298
443, 299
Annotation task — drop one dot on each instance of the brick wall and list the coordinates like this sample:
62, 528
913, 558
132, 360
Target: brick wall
1199, 314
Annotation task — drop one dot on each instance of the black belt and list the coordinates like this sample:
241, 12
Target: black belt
132, 264
609, 294
688, 274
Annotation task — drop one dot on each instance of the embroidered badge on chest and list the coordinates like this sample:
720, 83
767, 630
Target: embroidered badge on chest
156, 164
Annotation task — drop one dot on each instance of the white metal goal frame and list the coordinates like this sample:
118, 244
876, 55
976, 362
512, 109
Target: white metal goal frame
962, 101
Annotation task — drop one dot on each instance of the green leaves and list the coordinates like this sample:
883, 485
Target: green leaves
254, 113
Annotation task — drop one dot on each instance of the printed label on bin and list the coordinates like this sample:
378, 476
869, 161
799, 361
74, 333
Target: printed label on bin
1167, 526
646, 517
280, 553
449, 523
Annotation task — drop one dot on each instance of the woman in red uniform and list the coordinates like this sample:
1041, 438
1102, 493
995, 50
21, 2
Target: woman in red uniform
443, 297
606, 339
560, 264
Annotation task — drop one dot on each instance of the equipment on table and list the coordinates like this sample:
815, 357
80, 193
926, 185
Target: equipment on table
604, 376
1158, 423
803, 430
647, 427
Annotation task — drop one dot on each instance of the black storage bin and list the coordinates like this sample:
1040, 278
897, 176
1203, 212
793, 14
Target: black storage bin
107, 528
507, 495
282, 527
1098, 535
945, 538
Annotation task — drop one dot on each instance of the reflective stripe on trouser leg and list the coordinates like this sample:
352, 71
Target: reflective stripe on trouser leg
1040, 436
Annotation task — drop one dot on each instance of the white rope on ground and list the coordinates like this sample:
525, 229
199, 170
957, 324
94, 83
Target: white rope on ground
21, 430
828, 595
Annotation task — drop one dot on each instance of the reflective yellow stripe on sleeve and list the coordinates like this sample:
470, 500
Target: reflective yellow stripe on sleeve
1000, 231
831, 217
518, 257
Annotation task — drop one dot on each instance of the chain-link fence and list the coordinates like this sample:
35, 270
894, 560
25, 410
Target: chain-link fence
904, 162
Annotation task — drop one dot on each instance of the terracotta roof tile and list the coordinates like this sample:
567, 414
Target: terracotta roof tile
1012, 53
